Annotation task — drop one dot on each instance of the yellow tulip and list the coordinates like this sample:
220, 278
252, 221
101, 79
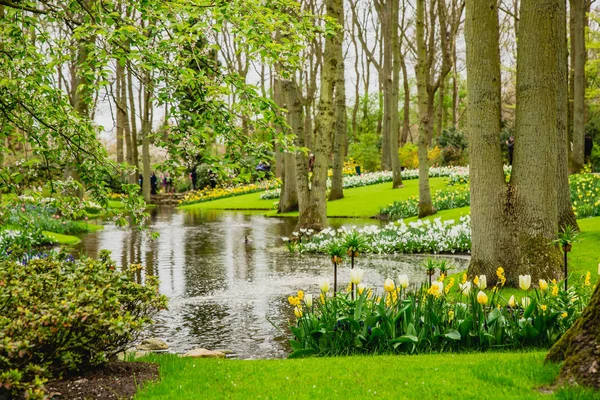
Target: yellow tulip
524, 281
388, 285
511, 302
543, 285
482, 298
360, 288
298, 312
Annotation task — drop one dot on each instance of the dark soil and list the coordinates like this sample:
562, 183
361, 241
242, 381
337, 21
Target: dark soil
116, 380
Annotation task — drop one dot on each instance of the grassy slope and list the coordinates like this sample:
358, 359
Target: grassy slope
464, 376
357, 202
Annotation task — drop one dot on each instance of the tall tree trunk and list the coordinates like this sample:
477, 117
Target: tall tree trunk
488, 188
121, 112
395, 119
455, 97
536, 140
578, 8
132, 114
340, 125
288, 200
146, 129
566, 215
406, 107
387, 28
425, 203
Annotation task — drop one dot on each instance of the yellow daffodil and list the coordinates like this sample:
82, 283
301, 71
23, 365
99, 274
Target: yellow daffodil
555, 290
543, 285
543, 307
588, 275
464, 277
300, 294
436, 289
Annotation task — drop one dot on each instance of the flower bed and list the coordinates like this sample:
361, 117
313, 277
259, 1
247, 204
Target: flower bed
374, 178
208, 194
423, 236
585, 194
443, 316
444, 199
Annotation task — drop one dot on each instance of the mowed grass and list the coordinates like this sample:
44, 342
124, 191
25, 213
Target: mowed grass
361, 202
449, 376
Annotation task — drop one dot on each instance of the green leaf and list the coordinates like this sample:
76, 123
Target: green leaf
452, 334
302, 353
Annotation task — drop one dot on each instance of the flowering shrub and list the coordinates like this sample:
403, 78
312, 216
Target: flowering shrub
444, 199
585, 194
443, 316
208, 194
19, 242
423, 236
59, 315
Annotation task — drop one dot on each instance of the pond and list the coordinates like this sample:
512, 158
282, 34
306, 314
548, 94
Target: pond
226, 292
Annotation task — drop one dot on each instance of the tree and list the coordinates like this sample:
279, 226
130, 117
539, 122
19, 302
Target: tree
578, 12
513, 223
340, 125
578, 349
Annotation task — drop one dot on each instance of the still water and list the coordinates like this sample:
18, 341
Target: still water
228, 293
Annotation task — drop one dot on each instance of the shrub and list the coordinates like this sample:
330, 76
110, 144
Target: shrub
365, 151
443, 316
444, 199
62, 315
409, 157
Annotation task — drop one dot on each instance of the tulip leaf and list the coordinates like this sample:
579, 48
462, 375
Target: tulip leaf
302, 353
353, 323
296, 332
359, 306
296, 345
404, 339
376, 332
530, 309
411, 331
452, 334
465, 326
493, 316
317, 333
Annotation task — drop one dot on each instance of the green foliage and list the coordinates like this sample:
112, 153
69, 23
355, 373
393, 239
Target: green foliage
595, 158
453, 144
423, 320
365, 152
60, 314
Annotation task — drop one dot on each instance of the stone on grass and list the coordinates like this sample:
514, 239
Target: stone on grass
152, 344
204, 353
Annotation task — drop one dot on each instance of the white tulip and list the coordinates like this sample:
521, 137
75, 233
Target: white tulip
356, 275
324, 285
465, 288
482, 282
524, 281
403, 281
308, 300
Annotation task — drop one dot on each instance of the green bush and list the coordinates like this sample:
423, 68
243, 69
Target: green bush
595, 158
202, 176
365, 152
59, 314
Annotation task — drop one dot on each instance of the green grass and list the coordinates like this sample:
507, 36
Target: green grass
58, 238
361, 202
461, 376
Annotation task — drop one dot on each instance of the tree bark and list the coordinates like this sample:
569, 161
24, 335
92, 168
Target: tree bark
340, 124
406, 107
121, 112
535, 155
425, 203
578, 9
395, 121
488, 188
384, 9
146, 128
133, 125
566, 215
579, 348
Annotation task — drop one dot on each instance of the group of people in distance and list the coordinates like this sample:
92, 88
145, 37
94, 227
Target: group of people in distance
165, 180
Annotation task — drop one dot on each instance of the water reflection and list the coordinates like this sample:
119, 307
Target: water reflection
226, 292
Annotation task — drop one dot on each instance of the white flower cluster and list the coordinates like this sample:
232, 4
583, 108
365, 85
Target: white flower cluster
423, 236
374, 178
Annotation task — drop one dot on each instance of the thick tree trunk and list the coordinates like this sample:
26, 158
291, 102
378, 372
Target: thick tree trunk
579, 348
340, 125
578, 8
566, 216
534, 193
425, 203
488, 188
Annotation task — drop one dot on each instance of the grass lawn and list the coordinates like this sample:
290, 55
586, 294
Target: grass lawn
361, 202
462, 376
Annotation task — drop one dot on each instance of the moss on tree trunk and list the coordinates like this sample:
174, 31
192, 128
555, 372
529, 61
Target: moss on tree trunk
579, 348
